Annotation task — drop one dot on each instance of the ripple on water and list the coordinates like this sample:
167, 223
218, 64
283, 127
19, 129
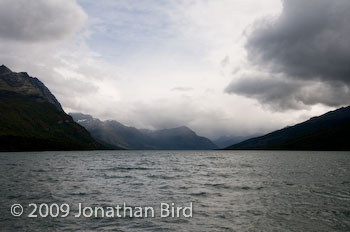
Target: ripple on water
230, 190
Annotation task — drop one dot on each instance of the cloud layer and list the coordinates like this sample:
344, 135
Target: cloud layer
39, 20
300, 58
154, 64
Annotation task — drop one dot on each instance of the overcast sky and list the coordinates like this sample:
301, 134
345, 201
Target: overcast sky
221, 68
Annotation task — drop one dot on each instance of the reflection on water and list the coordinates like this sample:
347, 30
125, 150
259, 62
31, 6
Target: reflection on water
230, 190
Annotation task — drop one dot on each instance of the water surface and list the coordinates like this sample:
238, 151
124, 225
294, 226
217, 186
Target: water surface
230, 190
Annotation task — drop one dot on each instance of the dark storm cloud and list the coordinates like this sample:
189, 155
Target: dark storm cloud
281, 93
276, 93
309, 40
309, 45
39, 20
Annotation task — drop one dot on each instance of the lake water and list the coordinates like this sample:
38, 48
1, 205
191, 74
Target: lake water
229, 190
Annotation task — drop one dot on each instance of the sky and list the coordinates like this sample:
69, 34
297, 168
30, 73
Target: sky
222, 68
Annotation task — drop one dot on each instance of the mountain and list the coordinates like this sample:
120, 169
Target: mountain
225, 141
329, 131
23, 84
117, 134
31, 118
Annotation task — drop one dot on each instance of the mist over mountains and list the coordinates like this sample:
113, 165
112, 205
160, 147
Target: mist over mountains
32, 119
118, 135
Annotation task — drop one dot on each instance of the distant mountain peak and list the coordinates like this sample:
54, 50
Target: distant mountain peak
81, 116
185, 128
180, 130
4, 70
115, 133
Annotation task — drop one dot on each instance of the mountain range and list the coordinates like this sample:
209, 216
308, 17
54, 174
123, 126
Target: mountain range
121, 136
329, 131
31, 118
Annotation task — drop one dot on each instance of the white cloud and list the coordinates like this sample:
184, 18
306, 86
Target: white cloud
39, 20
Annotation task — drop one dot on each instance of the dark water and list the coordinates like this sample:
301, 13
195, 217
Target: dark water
230, 191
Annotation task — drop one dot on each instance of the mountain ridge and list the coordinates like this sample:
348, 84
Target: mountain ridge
31, 118
23, 83
325, 132
115, 133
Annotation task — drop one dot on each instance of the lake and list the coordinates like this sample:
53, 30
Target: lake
227, 190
